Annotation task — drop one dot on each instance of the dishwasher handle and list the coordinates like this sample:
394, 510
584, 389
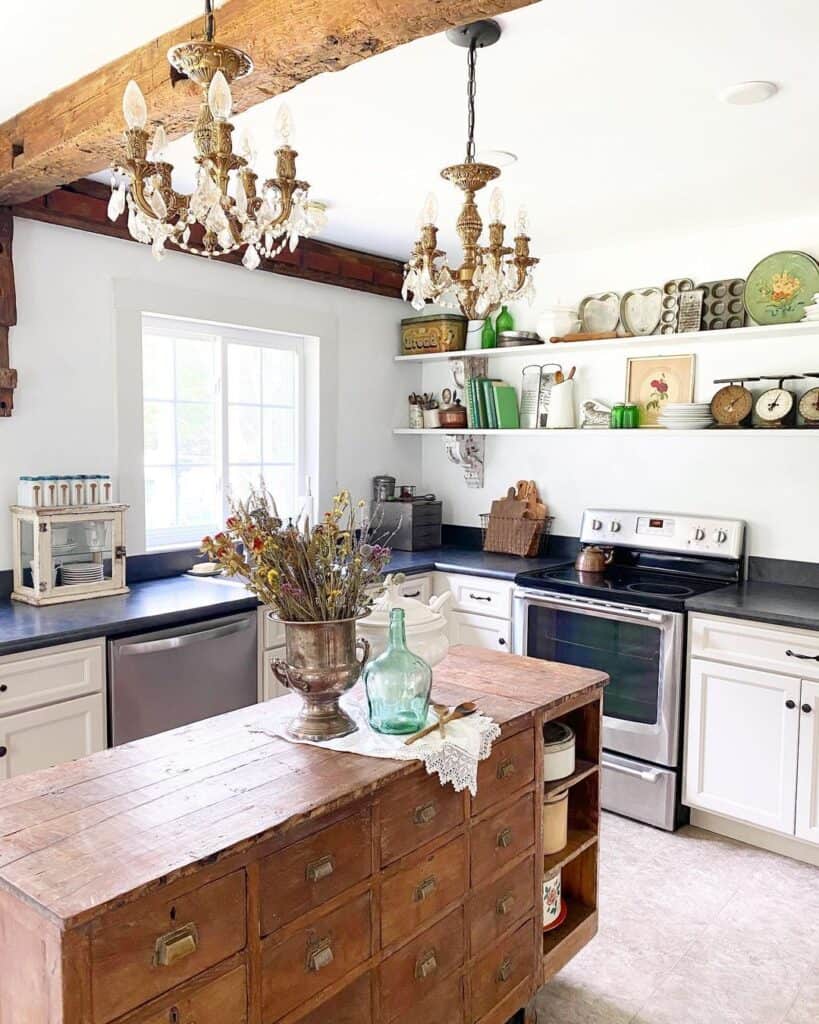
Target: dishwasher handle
170, 643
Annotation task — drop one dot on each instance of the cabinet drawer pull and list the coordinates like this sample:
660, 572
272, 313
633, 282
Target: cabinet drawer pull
426, 964
425, 889
802, 657
505, 969
505, 838
320, 955
424, 814
506, 768
413, 593
504, 905
790, 704
807, 708
176, 945
477, 597
3, 751
3, 687
318, 869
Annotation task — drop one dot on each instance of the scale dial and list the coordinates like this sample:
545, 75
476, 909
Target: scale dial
731, 405
809, 407
774, 406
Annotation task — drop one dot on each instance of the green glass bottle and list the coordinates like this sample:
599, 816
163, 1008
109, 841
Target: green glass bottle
505, 321
398, 683
488, 337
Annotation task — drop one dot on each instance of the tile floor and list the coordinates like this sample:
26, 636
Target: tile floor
694, 929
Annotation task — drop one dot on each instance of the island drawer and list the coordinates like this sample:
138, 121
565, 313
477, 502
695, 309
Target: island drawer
500, 970
314, 957
499, 903
312, 871
500, 838
419, 892
213, 1002
415, 810
510, 766
146, 948
352, 1005
444, 1005
412, 973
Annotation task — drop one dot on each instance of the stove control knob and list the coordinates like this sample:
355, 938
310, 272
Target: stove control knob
720, 536
615, 526
596, 524
698, 533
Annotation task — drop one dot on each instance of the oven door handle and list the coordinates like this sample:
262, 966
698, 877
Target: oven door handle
610, 611
647, 775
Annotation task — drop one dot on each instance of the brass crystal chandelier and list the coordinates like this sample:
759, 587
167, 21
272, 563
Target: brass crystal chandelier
489, 274
224, 213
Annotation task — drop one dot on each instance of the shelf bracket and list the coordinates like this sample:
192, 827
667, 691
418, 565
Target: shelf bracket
467, 451
466, 367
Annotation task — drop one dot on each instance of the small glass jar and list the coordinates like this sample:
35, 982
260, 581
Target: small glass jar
78, 495
106, 489
398, 684
51, 494
64, 490
631, 416
617, 416
24, 493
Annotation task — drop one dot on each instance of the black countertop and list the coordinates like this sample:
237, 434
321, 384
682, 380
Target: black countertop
777, 603
159, 604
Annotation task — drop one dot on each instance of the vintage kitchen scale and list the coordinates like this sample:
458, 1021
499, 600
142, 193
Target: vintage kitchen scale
809, 403
776, 407
733, 405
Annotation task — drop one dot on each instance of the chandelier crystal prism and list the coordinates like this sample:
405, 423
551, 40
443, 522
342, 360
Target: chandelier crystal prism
226, 211
490, 274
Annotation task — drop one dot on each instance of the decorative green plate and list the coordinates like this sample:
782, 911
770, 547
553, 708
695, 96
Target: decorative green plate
780, 286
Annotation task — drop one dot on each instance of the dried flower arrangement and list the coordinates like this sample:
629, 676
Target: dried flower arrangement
306, 574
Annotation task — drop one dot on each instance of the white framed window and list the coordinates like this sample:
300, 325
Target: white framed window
222, 410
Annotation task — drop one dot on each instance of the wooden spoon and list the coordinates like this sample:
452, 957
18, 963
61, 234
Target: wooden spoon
441, 710
469, 707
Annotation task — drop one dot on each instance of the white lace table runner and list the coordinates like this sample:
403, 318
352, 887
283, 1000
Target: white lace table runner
454, 759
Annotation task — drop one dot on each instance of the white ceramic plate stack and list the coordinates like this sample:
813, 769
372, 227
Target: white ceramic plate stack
81, 572
812, 311
686, 416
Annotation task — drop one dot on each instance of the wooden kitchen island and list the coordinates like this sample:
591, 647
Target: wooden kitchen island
218, 875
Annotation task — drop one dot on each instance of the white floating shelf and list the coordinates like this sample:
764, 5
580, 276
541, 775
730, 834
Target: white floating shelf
753, 333
542, 432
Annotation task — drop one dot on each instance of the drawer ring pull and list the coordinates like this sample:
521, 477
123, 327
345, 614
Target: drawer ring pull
176, 945
321, 955
426, 965
802, 657
505, 969
425, 889
321, 868
504, 905
506, 768
424, 814
505, 838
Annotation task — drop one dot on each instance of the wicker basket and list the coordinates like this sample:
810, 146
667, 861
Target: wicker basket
526, 537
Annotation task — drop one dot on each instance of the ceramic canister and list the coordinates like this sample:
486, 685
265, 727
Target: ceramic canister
551, 897
558, 751
555, 822
562, 407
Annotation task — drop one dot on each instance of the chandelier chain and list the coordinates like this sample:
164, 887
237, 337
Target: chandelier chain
470, 98
209, 21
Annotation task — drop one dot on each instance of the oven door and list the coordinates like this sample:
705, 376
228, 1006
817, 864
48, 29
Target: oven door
639, 648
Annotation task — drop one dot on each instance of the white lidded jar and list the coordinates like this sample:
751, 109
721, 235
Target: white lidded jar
555, 822
426, 627
558, 751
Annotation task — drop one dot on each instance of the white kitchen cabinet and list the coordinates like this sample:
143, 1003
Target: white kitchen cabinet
51, 735
478, 594
807, 788
742, 742
271, 646
417, 587
480, 631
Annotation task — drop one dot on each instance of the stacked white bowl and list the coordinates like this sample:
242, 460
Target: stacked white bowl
686, 416
812, 311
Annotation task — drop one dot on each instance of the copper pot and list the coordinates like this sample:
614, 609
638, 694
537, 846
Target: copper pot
593, 559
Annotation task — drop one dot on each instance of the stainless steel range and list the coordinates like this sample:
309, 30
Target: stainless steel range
629, 621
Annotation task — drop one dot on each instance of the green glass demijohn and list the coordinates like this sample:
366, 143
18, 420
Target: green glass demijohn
505, 321
398, 683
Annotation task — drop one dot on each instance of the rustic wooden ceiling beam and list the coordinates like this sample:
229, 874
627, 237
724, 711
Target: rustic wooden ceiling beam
77, 130
8, 312
84, 205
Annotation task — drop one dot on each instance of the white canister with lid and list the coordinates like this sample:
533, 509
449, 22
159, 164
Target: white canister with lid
78, 496
25, 495
51, 494
426, 625
107, 489
556, 822
63, 490
558, 751
552, 897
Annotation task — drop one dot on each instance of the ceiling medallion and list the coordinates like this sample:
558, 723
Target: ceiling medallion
224, 213
489, 274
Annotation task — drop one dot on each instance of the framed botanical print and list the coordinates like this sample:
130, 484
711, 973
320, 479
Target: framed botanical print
654, 381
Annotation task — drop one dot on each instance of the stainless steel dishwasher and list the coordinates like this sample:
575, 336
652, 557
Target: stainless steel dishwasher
173, 677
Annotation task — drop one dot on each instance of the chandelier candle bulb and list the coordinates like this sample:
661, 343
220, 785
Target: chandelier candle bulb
134, 107
496, 206
220, 100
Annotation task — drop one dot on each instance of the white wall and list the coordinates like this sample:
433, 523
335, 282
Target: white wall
64, 347
771, 480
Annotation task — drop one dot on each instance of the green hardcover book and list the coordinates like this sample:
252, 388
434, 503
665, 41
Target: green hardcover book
480, 402
471, 410
506, 405
489, 402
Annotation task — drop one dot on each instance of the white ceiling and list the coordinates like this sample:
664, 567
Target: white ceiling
612, 109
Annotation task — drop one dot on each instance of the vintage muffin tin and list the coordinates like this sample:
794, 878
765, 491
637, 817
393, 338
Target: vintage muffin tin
723, 304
